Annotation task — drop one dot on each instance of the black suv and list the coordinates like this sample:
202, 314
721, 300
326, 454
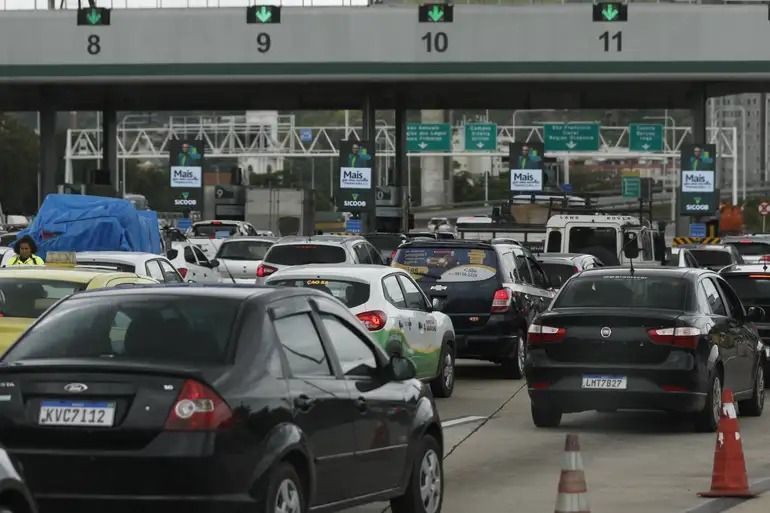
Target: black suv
490, 291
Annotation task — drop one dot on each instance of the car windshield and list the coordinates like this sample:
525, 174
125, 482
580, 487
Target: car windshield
751, 248
136, 327
301, 254
28, 299
448, 264
558, 272
352, 293
712, 258
752, 289
244, 250
625, 291
214, 230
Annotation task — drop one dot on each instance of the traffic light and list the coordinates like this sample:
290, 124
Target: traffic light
610, 12
94, 16
436, 13
263, 14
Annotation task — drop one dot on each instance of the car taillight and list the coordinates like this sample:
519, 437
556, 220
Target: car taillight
265, 270
183, 272
198, 408
374, 320
393, 255
686, 337
764, 258
538, 334
501, 301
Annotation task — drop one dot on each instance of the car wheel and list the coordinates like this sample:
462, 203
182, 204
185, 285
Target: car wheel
753, 407
425, 488
444, 384
513, 367
545, 416
284, 491
707, 419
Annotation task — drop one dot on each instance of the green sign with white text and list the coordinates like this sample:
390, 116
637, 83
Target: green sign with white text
571, 136
480, 137
428, 137
645, 137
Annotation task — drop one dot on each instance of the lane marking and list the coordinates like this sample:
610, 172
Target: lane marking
758, 486
462, 420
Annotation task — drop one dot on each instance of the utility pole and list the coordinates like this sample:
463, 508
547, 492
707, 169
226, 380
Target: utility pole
763, 137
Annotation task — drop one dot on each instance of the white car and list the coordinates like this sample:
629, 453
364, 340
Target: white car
192, 264
220, 229
208, 246
143, 264
240, 257
393, 308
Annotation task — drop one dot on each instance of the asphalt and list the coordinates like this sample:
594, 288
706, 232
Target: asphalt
635, 462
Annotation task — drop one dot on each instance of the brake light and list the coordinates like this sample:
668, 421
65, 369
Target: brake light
393, 254
183, 272
198, 408
537, 334
264, 271
374, 320
216, 222
674, 388
685, 337
576, 269
760, 276
764, 258
501, 301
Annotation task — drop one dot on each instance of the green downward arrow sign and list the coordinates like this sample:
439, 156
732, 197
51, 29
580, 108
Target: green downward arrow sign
610, 12
94, 16
436, 13
264, 14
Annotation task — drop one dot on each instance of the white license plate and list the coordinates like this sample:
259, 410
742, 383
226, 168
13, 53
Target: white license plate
77, 413
605, 382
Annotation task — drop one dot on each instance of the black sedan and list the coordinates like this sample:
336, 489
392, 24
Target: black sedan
216, 399
662, 339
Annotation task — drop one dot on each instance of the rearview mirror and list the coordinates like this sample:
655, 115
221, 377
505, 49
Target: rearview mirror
401, 369
630, 245
755, 314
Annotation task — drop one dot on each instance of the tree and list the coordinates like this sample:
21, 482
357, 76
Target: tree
19, 161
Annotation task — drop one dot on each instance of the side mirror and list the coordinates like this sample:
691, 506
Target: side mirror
214, 263
401, 369
630, 245
437, 304
755, 314
171, 254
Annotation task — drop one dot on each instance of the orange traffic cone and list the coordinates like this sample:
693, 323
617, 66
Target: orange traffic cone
573, 492
729, 478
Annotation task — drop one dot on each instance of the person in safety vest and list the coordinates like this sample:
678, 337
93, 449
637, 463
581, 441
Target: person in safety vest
25, 249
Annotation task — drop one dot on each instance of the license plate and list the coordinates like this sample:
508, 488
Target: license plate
77, 413
605, 382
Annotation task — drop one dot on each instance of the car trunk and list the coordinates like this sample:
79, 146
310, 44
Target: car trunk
240, 269
468, 304
627, 343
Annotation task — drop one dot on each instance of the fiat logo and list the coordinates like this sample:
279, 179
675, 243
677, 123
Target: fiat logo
75, 388
606, 332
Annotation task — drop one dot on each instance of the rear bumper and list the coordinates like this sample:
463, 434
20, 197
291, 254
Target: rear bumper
495, 340
570, 401
149, 504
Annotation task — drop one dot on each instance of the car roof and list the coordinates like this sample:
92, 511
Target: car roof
117, 256
241, 292
218, 221
648, 270
562, 255
349, 271
321, 239
71, 274
255, 238
746, 269
707, 247
451, 243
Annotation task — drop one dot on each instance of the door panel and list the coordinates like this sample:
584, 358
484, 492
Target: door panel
723, 335
423, 341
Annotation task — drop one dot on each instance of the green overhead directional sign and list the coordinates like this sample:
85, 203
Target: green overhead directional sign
632, 186
262, 14
94, 16
645, 137
436, 13
571, 136
480, 137
428, 137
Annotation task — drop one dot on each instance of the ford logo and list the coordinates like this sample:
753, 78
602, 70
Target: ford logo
606, 332
75, 388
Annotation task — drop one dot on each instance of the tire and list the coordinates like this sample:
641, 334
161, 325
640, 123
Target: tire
444, 384
545, 416
707, 420
753, 407
285, 493
428, 468
513, 367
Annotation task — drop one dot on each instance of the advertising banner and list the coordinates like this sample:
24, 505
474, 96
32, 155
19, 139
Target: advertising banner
355, 182
186, 175
698, 180
526, 165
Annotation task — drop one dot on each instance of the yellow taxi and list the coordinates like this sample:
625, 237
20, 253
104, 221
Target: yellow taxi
27, 291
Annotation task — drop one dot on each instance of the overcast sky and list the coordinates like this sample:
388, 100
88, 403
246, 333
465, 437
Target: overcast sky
120, 4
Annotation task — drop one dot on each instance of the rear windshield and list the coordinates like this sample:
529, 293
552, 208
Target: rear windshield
752, 289
582, 238
244, 250
558, 273
301, 254
625, 291
751, 248
146, 328
214, 230
712, 258
448, 264
349, 292
384, 242
30, 298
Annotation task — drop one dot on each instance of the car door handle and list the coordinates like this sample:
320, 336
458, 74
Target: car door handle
361, 404
304, 402
419, 325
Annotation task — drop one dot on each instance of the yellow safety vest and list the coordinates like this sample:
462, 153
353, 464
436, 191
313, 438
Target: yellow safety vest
33, 260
